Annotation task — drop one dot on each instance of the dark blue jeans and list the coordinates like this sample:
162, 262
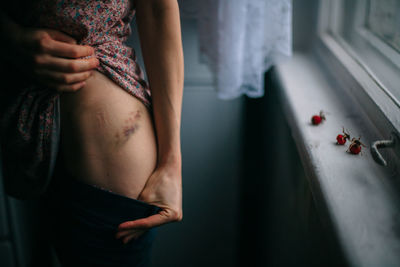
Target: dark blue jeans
83, 220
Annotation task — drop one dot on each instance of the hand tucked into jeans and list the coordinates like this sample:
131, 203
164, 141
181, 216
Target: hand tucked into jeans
163, 189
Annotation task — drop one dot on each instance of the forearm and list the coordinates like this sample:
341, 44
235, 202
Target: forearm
160, 36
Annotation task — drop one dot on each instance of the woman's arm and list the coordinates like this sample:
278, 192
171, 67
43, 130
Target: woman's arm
49, 56
160, 35
158, 23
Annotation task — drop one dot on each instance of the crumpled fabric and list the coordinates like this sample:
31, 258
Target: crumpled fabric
30, 131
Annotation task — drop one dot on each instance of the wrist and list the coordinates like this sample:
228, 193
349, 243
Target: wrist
171, 171
171, 160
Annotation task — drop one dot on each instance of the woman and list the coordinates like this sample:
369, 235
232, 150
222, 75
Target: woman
119, 164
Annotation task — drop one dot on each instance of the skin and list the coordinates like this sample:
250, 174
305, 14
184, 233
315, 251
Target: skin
159, 27
99, 129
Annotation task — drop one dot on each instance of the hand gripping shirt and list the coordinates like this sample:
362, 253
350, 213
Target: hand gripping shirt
104, 25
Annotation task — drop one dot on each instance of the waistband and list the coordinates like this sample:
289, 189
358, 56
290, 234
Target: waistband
79, 195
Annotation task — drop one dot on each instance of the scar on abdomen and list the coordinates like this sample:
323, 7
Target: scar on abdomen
101, 119
137, 115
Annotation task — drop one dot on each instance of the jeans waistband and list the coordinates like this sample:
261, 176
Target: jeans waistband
66, 189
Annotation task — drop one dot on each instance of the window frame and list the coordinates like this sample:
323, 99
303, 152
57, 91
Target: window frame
368, 46
376, 101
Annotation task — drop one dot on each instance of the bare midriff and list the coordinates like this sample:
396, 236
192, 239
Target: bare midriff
107, 137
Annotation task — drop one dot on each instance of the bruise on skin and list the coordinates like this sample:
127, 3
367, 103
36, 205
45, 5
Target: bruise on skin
130, 127
130, 130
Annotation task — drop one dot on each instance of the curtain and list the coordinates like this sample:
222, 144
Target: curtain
241, 39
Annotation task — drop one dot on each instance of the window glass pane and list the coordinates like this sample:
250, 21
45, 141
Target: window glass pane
384, 21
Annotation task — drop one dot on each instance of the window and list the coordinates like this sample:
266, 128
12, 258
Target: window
360, 41
384, 21
371, 29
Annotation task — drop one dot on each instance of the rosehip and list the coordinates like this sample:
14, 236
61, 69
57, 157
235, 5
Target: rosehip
355, 149
342, 138
355, 146
317, 119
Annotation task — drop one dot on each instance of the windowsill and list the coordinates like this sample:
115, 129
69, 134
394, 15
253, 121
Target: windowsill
353, 194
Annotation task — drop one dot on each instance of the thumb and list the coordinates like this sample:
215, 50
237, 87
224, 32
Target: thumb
60, 36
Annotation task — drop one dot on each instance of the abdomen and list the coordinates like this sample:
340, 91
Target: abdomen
108, 137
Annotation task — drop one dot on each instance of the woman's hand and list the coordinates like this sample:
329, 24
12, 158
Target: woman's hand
51, 58
163, 189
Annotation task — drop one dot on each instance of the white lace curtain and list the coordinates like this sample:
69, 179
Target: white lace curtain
241, 39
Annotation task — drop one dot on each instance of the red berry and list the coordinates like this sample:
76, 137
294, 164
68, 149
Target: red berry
341, 140
355, 149
316, 119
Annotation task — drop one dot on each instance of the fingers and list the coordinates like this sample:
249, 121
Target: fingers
124, 233
127, 235
56, 61
63, 49
127, 238
135, 235
148, 222
66, 87
59, 44
63, 64
163, 217
62, 77
57, 35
